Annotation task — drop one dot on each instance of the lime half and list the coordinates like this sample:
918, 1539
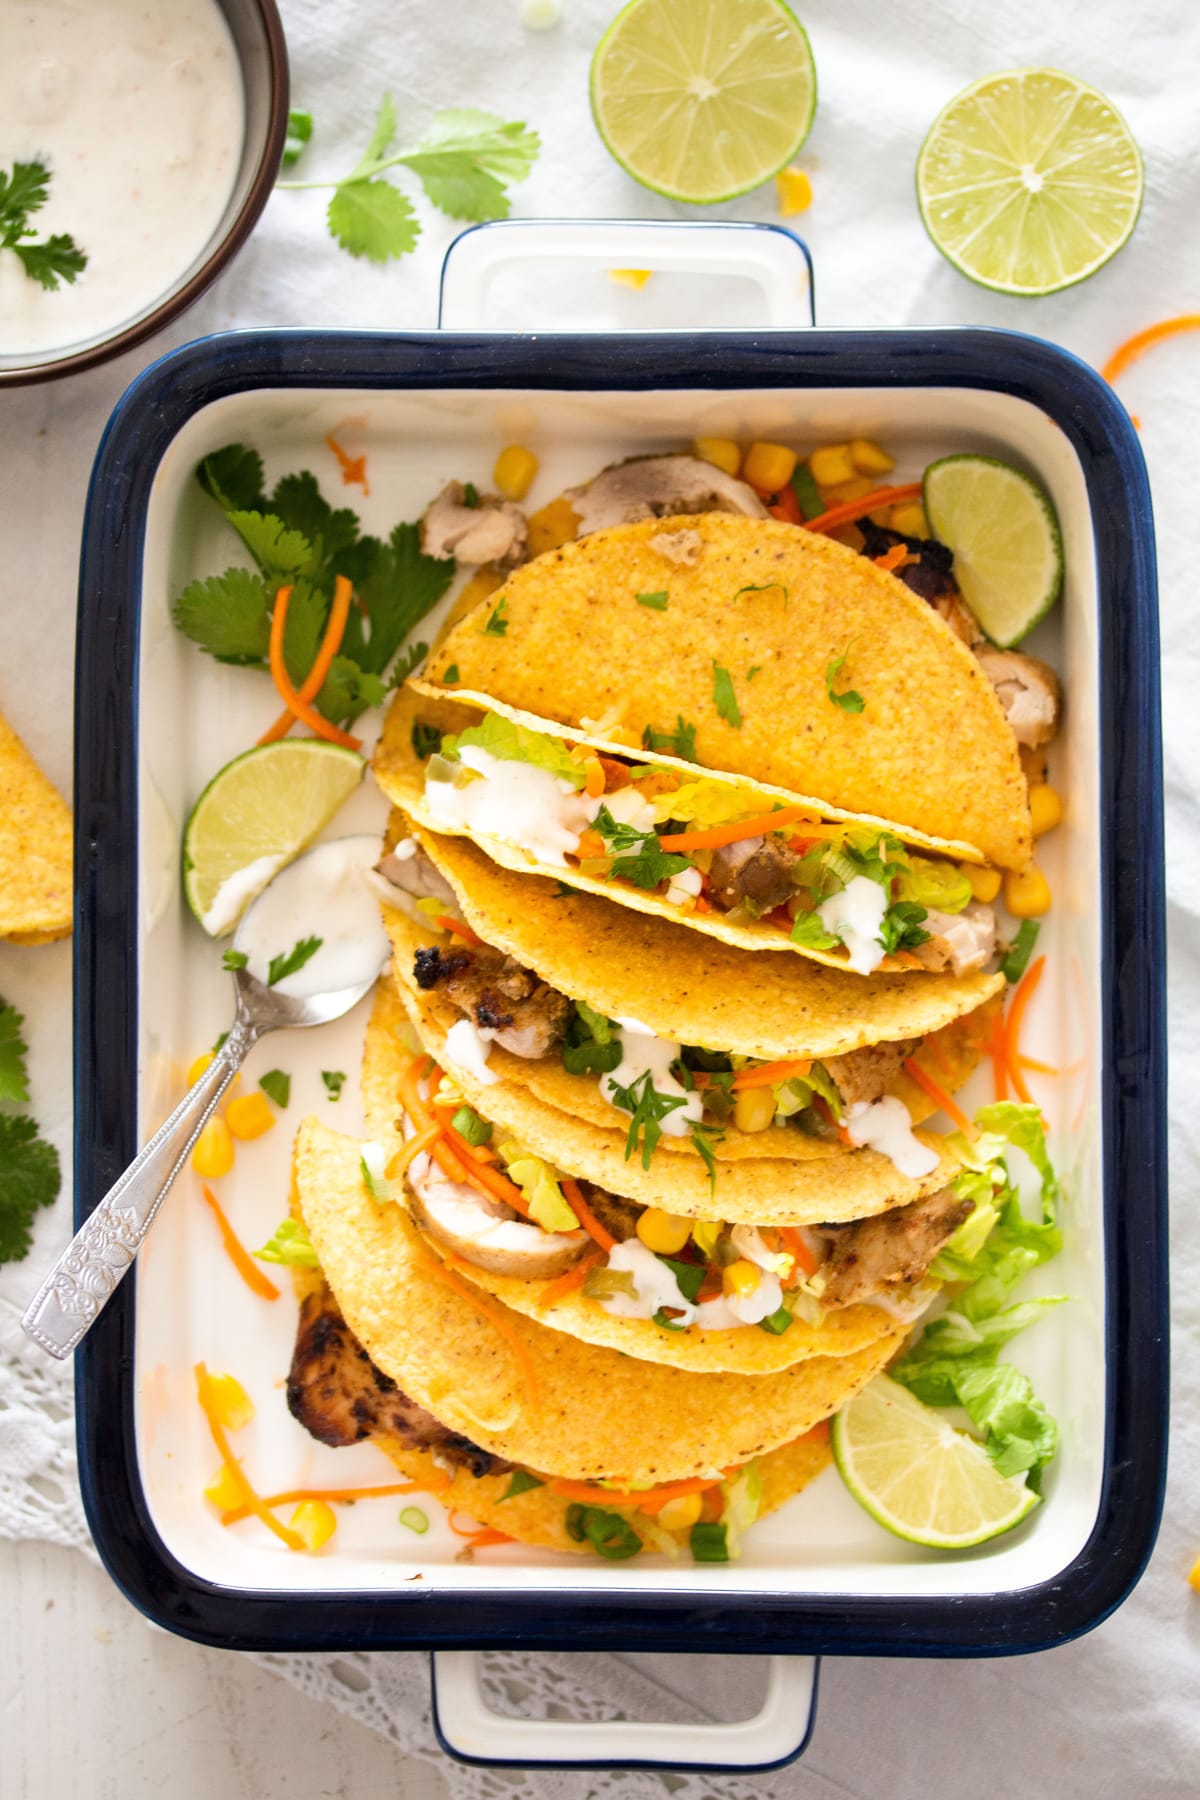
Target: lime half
1004, 533
257, 814
703, 99
920, 1478
1029, 181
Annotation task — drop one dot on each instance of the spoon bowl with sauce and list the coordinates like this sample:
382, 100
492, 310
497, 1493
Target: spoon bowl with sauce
313, 945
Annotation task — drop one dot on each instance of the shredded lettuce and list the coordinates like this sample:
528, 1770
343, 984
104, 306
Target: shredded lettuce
290, 1244
590, 1045
743, 1501
373, 1167
509, 742
706, 803
934, 884
539, 1184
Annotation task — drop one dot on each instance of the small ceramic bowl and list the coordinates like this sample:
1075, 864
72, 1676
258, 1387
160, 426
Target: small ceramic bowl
258, 39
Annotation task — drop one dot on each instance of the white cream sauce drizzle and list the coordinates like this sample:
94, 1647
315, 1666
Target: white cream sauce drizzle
885, 1125
854, 915
470, 1048
642, 1050
541, 813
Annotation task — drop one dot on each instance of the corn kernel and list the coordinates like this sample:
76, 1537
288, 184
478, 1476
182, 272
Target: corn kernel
230, 1401
551, 525
754, 1108
514, 471
723, 453
204, 1061
224, 1491
831, 464
250, 1115
909, 519
768, 467
985, 883
740, 1279
846, 490
869, 458
213, 1155
662, 1232
1194, 1577
633, 278
1045, 808
315, 1521
1027, 896
681, 1513
794, 190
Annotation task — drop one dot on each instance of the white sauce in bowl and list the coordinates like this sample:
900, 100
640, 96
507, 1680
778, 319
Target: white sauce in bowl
136, 107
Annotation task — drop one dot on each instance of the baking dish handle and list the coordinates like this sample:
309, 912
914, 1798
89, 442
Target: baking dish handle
470, 1731
515, 275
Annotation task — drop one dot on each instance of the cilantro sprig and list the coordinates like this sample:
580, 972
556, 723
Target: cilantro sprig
850, 701
647, 1108
637, 855
29, 1169
465, 162
290, 962
48, 261
14, 1078
681, 742
724, 697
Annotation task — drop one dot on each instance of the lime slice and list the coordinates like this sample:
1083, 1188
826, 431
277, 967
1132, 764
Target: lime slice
703, 99
1004, 533
257, 814
919, 1477
1029, 181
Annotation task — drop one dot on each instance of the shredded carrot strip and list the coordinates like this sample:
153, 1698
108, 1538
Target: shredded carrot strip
850, 510
1141, 341
306, 713
794, 1242
418, 1110
939, 1096
998, 1051
445, 1274
586, 1216
413, 1147
250, 1499
489, 1181
240, 1257
572, 1278
479, 1536
1026, 988
311, 686
785, 506
338, 1496
1038, 1068
898, 557
445, 923
720, 835
767, 1074
354, 468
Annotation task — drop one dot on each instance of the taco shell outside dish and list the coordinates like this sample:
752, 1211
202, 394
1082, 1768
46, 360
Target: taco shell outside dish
527, 1393
764, 594
35, 849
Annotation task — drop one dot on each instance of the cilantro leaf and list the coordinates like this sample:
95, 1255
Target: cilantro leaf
451, 673
809, 930
334, 1080
383, 136
642, 1100
471, 496
497, 624
656, 602
425, 739
293, 960
275, 549
299, 131
299, 503
53, 259
29, 1178
901, 927
851, 701
400, 588
234, 959
522, 1481
637, 855
466, 157
413, 657
703, 1141
590, 1044
724, 696
681, 742
233, 477
57, 258
276, 1084
14, 1078
762, 587
372, 219
23, 192
228, 615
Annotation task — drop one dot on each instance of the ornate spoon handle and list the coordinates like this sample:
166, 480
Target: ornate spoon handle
87, 1274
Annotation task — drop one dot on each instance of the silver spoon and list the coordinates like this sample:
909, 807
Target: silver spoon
91, 1268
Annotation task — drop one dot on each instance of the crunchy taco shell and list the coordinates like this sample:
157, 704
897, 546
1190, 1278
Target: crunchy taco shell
931, 750
832, 1186
522, 1391
35, 849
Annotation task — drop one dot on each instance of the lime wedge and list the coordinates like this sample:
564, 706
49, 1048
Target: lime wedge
1004, 533
257, 814
917, 1476
1029, 181
703, 99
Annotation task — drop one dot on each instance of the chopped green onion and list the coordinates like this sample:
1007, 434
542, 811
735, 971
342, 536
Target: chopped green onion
415, 1520
469, 1125
807, 492
607, 1532
1016, 962
656, 602
776, 1322
709, 1542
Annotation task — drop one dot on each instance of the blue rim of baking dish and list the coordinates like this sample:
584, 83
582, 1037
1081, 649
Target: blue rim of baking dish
1133, 1072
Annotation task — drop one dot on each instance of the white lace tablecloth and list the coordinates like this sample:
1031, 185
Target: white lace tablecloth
1114, 1714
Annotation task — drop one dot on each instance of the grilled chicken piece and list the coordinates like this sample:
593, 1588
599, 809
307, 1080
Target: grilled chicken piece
871, 1256
525, 1015
757, 870
407, 867
491, 531
930, 578
865, 1074
1029, 692
961, 941
658, 487
335, 1391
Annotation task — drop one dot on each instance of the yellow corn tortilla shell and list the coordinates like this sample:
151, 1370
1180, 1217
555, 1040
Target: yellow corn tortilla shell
539, 1515
698, 992
834, 1185
931, 750
583, 1412
951, 1054
35, 849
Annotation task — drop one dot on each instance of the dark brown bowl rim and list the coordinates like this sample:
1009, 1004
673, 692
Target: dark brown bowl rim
252, 207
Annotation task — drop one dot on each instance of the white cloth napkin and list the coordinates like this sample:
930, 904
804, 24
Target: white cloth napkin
1111, 1715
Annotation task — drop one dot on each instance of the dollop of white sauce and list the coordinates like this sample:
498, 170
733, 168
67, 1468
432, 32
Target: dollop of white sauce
747, 1240
885, 1125
237, 891
540, 813
138, 112
727, 1311
654, 1282
470, 1048
627, 807
324, 894
641, 1050
855, 915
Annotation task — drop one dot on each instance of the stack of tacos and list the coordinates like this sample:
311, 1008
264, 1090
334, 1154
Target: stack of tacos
649, 1192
